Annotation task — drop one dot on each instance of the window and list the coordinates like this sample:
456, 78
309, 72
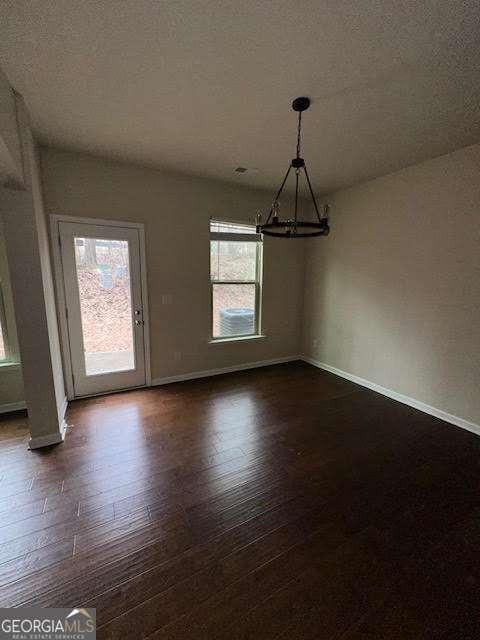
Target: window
235, 274
8, 333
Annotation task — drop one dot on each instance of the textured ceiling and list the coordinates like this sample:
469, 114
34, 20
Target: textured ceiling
205, 86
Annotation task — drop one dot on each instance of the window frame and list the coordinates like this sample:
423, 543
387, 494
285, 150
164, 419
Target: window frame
4, 329
9, 330
220, 236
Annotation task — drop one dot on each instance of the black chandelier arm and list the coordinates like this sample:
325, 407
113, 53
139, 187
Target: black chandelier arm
312, 194
278, 193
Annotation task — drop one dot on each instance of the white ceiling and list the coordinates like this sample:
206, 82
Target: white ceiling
204, 86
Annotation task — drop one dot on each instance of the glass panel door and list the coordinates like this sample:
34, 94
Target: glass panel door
101, 269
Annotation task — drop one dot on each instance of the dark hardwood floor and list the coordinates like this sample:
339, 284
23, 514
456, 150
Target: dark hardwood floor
281, 502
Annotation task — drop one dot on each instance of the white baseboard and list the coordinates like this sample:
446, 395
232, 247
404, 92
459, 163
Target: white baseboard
215, 372
12, 406
411, 402
49, 439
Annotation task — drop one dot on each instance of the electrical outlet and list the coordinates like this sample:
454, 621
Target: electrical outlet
167, 298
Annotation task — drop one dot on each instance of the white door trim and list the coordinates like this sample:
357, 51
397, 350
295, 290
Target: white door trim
60, 291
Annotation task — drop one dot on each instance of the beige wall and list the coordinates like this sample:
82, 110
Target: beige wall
176, 210
12, 396
393, 294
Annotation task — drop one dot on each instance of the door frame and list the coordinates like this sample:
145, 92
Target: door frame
55, 219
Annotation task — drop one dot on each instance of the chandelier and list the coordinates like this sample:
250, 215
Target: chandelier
294, 227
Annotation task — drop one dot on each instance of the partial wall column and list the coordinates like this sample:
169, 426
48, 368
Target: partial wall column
32, 287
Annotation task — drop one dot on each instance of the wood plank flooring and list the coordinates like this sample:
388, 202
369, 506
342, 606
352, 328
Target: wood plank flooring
281, 502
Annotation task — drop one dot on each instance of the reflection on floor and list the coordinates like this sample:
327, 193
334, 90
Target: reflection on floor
281, 502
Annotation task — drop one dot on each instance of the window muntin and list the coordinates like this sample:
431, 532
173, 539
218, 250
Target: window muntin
235, 274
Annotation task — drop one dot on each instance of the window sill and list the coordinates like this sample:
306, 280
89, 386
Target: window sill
9, 364
258, 336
